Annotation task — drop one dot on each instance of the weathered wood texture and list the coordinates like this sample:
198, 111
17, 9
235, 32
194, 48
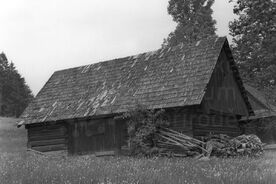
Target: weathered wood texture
255, 103
194, 121
95, 136
223, 94
107, 134
205, 124
50, 137
180, 120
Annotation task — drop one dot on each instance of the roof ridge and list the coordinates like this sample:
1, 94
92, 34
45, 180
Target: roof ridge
180, 45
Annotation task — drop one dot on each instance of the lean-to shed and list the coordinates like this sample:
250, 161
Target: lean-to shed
263, 124
198, 85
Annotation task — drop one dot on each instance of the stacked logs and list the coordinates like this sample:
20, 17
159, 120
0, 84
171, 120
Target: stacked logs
173, 143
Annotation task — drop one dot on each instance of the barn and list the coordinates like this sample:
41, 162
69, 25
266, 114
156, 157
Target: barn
198, 85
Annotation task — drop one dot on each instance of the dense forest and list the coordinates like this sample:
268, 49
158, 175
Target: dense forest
14, 92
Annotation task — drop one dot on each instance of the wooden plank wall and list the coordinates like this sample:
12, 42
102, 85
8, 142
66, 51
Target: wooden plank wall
96, 135
50, 137
180, 119
205, 124
223, 93
193, 121
121, 133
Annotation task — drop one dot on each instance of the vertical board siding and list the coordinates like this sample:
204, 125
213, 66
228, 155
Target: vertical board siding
180, 120
121, 133
223, 93
48, 137
95, 135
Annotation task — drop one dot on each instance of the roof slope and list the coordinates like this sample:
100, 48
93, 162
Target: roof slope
164, 78
261, 106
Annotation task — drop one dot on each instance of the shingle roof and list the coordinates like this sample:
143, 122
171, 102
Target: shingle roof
164, 78
261, 106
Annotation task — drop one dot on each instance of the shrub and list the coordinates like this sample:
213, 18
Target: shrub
142, 125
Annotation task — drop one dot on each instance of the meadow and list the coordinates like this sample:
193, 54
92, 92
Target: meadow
19, 166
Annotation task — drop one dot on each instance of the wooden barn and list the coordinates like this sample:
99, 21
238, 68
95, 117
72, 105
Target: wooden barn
198, 85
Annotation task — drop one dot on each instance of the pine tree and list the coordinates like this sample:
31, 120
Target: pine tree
254, 41
194, 21
14, 92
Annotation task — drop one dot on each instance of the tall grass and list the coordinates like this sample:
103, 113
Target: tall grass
24, 168
17, 166
12, 139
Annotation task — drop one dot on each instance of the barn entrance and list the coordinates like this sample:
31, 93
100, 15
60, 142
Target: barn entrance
94, 136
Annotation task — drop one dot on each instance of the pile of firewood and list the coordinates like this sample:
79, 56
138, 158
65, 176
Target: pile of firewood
173, 143
243, 145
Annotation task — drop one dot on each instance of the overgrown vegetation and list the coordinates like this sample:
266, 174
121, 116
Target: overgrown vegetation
142, 126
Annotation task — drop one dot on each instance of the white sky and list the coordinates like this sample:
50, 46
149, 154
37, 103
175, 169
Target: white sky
42, 36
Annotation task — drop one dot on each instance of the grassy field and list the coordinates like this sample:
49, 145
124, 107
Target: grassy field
12, 139
17, 166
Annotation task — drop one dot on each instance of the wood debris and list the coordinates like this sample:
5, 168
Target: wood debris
176, 144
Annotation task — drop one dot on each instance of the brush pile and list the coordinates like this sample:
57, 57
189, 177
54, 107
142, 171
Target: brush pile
173, 143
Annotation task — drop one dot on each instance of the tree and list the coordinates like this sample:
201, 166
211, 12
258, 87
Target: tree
14, 92
194, 21
254, 41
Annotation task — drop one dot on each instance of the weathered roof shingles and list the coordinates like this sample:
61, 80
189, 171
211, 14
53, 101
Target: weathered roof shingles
165, 78
263, 108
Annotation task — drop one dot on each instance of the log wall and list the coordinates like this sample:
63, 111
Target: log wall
50, 137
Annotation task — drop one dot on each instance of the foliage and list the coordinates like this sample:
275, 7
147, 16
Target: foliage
142, 126
254, 40
14, 92
194, 21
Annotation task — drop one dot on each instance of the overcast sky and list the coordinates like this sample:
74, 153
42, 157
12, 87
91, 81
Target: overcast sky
42, 36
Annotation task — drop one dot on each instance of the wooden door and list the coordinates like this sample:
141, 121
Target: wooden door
94, 136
